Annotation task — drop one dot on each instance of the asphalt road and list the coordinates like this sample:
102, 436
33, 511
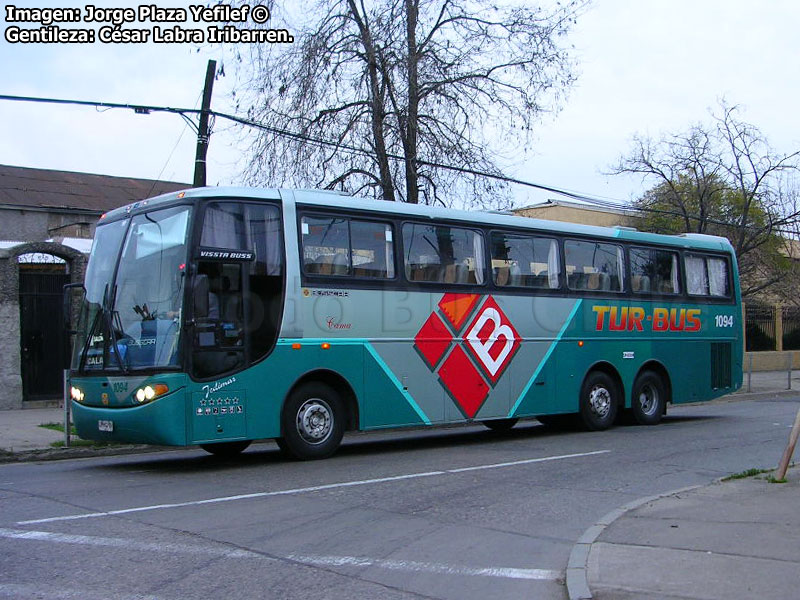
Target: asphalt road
450, 513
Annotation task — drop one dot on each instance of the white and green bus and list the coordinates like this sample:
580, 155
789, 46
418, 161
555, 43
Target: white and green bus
219, 316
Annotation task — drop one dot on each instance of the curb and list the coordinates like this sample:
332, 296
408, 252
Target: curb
46, 454
762, 394
577, 567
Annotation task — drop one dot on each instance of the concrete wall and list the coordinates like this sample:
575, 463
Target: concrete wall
570, 214
771, 361
33, 224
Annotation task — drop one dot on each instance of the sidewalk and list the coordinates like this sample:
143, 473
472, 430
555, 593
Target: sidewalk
762, 382
732, 540
20, 431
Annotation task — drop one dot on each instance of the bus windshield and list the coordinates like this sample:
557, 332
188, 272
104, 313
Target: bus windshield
131, 319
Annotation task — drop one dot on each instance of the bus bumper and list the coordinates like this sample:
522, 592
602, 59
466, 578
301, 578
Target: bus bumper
161, 422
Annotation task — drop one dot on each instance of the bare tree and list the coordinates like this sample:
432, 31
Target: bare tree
402, 87
723, 178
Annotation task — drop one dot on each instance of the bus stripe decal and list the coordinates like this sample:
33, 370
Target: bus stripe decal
545, 358
397, 384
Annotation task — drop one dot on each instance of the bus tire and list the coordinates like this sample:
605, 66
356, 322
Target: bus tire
599, 401
500, 424
649, 399
312, 422
226, 449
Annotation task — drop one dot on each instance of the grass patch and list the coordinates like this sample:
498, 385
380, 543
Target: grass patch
58, 427
79, 443
746, 474
76, 442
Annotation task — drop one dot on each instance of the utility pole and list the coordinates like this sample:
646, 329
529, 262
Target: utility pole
203, 131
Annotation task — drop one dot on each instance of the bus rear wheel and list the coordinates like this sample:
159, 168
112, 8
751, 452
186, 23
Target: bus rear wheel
500, 424
599, 401
226, 449
312, 422
649, 398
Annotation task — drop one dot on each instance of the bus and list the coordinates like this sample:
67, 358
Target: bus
217, 316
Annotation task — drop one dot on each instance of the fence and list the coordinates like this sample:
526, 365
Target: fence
791, 328
760, 325
769, 327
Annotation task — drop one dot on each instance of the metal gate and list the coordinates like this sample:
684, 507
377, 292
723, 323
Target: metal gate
42, 331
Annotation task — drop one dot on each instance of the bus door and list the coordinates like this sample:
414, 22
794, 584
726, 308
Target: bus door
237, 287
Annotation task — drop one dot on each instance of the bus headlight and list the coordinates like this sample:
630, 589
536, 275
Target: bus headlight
150, 392
76, 394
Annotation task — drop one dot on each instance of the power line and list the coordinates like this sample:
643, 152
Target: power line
147, 109
184, 112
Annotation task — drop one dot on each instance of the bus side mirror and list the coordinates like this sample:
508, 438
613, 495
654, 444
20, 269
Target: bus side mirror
200, 296
67, 305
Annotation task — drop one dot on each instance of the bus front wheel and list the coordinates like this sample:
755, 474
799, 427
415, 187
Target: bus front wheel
649, 397
599, 401
312, 422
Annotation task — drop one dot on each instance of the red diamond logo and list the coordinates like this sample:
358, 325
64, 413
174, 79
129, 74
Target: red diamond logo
433, 340
491, 339
463, 381
456, 307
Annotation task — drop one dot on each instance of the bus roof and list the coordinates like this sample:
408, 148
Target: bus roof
333, 199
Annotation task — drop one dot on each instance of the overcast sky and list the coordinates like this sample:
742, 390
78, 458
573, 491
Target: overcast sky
646, 67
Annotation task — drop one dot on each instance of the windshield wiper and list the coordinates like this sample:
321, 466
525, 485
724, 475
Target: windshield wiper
112, 335
107, 334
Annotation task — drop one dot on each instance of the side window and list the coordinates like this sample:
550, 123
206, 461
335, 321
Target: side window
326, 245
594, 266
343, 246
372, 249
443, 254
718, 282
654, 271
525, 261
707, 276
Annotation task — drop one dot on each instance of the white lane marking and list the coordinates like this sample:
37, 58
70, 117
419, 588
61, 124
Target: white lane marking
85, 540
47, 592
308, 559
412, 565
304, 490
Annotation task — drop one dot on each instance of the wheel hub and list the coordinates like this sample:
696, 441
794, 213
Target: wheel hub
600, 401
315, 421
648, 400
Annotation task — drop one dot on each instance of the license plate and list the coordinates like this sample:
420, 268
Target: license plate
105, 425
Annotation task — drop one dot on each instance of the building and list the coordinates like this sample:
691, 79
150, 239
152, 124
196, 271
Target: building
47, 220
576, 212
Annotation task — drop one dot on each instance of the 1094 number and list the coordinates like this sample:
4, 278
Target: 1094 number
724, 320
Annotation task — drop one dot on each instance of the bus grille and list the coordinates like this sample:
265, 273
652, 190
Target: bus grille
720, 365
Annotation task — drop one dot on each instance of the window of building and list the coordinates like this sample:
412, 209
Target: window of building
654, 271
525, 261
594, 266
443, 254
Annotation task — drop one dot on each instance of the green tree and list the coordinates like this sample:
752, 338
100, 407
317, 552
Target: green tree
724, 179
413, 84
